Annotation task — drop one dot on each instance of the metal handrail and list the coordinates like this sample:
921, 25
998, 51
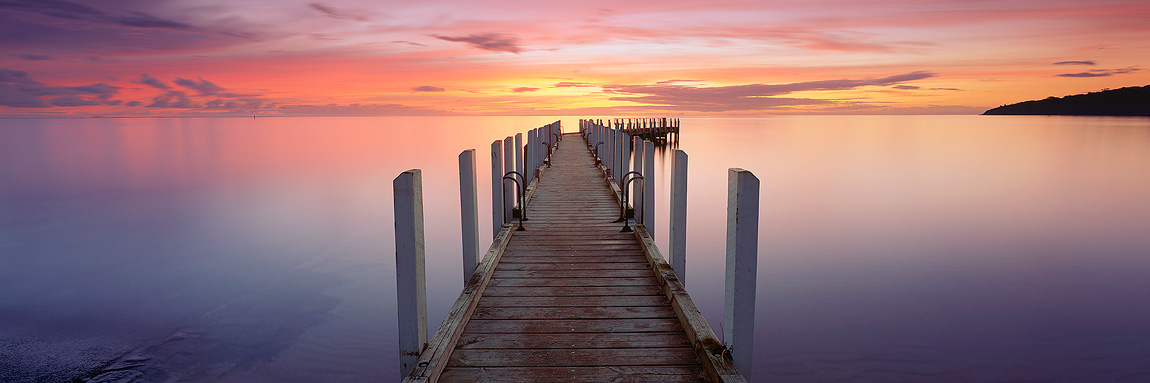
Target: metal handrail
634, 176
522, 193
522, 206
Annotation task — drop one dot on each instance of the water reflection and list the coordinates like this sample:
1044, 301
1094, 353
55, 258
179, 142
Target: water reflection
218, 249
892, 248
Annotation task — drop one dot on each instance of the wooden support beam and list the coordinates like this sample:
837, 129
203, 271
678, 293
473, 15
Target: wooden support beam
742, 266
496, 184
468, 212
678, 219
409, 267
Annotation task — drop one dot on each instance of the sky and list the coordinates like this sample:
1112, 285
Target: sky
131, 58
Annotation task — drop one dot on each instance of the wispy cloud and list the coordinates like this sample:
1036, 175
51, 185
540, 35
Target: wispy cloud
173, 99
337, 13
1083, 62
524, 89
18, 90
427, 88
1101, 72
205, 87
743, 97
570, 84
148, 80
76, 11
495, 42
32, 57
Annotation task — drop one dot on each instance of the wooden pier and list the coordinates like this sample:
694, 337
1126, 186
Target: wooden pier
572, 298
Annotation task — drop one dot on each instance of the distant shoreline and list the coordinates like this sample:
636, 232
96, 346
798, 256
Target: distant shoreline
1130, 101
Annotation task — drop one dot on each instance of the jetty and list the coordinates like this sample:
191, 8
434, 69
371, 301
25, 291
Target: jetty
572, 288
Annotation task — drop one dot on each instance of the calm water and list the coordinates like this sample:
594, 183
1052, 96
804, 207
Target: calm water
891, 248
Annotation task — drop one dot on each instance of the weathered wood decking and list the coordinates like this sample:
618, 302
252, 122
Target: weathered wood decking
573, 299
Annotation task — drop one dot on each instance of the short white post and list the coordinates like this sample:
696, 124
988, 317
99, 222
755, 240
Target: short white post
496, 184
649, 187
468, 212
519, 154
742, 266
636, 195
508, 185
677, 233
409, 268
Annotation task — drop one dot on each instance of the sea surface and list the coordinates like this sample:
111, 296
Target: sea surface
891, 249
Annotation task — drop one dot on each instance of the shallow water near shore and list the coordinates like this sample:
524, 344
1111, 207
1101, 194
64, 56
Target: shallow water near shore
932, 248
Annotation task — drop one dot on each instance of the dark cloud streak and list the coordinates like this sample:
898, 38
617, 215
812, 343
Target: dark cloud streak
76, 11
495, 42
19, 90
743, 97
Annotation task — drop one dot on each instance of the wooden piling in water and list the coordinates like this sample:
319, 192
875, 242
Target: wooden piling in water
410, 277
468, 212
496, 184
742, 267
649, 186
677, 232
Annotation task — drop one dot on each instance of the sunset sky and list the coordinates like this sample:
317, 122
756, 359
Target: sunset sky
590, 57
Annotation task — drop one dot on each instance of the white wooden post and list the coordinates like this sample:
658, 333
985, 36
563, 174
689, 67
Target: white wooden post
649, 187
742, 266
625, 161
677, 233
636, 194
468, 212
496, 183
620, 147
508, 185
519, 155
409, 268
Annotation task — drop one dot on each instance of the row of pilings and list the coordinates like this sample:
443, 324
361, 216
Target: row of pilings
648, 128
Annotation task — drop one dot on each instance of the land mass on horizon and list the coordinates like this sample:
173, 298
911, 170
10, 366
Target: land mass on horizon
1129, 101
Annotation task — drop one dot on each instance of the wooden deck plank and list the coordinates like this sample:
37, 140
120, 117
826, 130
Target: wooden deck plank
583, 357
631, 374
596, 301
553, 266
581, 340
569, 291
574, 282
573, 312
477, 326
568, 273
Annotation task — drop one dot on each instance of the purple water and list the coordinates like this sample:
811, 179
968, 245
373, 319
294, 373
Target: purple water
891, 248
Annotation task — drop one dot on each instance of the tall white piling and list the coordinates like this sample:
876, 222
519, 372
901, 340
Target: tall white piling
677, 233
742, 266
519, 154
625, 161
496, 184
409, 268
649, 187
508, 185
636, 194
468, 212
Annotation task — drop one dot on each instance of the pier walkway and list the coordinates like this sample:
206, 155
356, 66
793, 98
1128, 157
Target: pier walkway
573, 299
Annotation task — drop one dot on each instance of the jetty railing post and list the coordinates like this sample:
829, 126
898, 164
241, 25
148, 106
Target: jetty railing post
636, 197
519, 152
508, 166
742, 266
496, 186
625, 156
677, 232
621, 139
411, 295
649, 187
468, 212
